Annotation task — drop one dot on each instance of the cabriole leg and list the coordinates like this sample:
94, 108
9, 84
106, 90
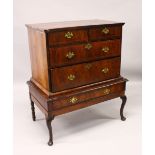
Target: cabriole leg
48, 122
124, 98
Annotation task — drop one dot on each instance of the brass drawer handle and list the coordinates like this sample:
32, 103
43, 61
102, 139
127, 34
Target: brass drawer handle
105, 70
105, 49
70, 55
106, 91
73, 100
88, 46
71, 77
69, 35
105, 30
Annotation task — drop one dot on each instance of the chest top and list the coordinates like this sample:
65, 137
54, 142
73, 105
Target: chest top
70, 24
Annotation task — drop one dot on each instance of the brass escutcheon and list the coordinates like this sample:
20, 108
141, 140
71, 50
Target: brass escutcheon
88, 66
88, 46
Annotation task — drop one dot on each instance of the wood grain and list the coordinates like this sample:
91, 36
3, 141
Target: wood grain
96, 33
59, 37
38, 56
58, 55
85, 104
83, 74
89, 95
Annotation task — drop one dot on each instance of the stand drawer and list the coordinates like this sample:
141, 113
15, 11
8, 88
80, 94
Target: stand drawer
101, 91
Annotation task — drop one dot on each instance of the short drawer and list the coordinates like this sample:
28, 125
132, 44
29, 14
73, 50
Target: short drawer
67, 36
86, 73
89, 95
61, 56
105, 32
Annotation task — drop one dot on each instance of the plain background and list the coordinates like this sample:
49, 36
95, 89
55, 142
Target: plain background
96, 128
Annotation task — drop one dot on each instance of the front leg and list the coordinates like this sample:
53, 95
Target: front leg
124, 98
48, 122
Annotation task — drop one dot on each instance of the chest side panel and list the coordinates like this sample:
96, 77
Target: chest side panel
38, 56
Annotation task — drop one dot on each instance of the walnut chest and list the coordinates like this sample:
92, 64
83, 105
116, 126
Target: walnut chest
74, 65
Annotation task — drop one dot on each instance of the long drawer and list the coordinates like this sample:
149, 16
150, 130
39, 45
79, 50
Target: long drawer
85, 73
79, 98
68, 55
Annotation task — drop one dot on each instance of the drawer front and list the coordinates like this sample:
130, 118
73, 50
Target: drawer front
68, 36
93, 94
103, 32
86, 73
80, 53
